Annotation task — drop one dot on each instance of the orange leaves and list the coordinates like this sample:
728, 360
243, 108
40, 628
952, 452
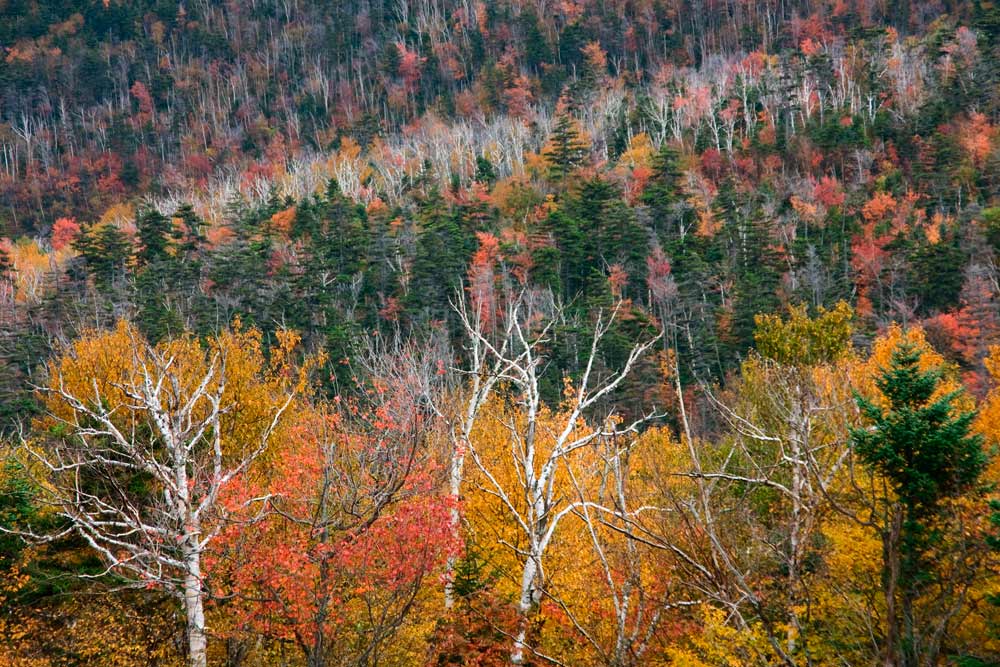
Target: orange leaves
282, 220
878, 207
617, 279
810, 47
978, 137
358, 526
595, 56
806, 211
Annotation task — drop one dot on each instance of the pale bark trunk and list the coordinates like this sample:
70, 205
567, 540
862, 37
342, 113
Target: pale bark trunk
194, 606
455, 489
527, 600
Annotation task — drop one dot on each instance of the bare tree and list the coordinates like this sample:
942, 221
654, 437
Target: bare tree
140, 466
518, 359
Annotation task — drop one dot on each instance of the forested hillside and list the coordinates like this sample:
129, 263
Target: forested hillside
479, 333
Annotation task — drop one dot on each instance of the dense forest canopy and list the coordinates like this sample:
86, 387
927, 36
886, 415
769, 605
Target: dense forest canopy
434, 333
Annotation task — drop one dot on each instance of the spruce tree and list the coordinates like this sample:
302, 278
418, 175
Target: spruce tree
106, 252
154, 230
440, 259
923, 449
567, 150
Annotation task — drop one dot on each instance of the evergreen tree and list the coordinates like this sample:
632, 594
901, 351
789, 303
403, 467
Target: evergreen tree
924, 451
485, 172
755, 264
567, 150
106, 252
936, 274
440, 259
154, 231
190, 236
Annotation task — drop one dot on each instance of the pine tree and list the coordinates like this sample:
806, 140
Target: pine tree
485, 172
566, 150
154, 230
440, 259
924, 451
106, 252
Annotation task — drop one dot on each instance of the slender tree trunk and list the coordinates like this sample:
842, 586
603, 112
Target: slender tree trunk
890, 584
455, 489
909, 652
194, 605
317, 652
527, 600
795, 536
909, 567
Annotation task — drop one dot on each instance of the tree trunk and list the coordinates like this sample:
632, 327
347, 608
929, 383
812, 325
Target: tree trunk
526, 601
890, 583
195, 608
455, 490
316, 653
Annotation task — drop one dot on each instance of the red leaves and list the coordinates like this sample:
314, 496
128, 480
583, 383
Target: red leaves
518, 97
64, 232
482, 292
144, 99
828, 192
409, 67
358, 524
658, 277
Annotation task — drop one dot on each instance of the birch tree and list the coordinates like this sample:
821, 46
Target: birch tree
542, 442
140, 444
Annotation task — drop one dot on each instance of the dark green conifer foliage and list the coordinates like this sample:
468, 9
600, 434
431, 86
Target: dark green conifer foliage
335, 236
485, 173
440, 259
154, 231
925, 452
756, 266
106, 252
567, 149
923, 448
936, 274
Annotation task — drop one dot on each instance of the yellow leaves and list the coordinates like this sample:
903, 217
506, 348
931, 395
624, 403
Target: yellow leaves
854, 550
101, 363
866, 373
988, 420
640, 152
804, 340
535, 164
717, 644
118, 215
89, 627
31, 264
